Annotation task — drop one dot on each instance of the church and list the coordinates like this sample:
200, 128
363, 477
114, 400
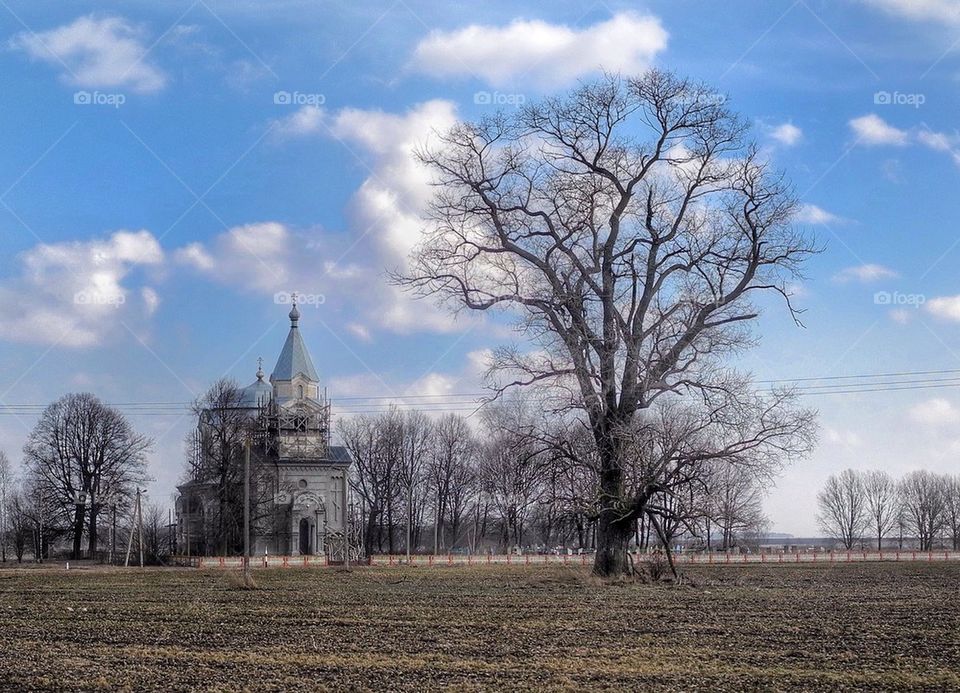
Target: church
301, 498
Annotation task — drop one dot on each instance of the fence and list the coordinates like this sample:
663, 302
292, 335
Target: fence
717, 559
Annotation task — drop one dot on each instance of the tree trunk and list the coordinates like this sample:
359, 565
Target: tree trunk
93, 532
77, 531
613, 540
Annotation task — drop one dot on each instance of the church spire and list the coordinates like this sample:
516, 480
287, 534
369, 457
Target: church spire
294, 313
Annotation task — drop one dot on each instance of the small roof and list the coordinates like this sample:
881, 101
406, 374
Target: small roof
294, 357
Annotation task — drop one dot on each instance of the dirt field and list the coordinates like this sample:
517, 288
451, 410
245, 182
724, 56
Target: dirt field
891, 626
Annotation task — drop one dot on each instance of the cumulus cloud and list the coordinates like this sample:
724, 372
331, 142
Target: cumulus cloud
541, 53
258, 256
105, 52
73, 293
945, 307
812, 214
864, 274
871, 129
786, 134
935, 412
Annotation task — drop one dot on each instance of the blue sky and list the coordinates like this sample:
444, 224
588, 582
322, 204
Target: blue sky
166, 171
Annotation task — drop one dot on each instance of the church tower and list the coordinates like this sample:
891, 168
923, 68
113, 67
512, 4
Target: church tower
294, 377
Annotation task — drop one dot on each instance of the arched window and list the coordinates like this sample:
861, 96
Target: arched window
300, 391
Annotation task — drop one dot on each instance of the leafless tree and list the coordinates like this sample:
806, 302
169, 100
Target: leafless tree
627, 225
880, 491
842, 507
21, 521
82, 451
215, 457
923, 502
734, 503
952, 489
452, 474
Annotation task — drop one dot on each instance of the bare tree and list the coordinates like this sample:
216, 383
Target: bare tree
952, 490
880, 491
82, 451
626, 225
215, 457
412, 430
843, 507
923, 502
451, 473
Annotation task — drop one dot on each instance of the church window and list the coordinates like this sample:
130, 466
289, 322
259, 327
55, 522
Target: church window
300, 391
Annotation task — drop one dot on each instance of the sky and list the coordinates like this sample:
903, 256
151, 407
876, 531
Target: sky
170, 174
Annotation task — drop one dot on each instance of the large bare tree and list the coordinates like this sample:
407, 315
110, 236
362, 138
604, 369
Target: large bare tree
627, 224
880, 491
843, 508
924, 505
84, 453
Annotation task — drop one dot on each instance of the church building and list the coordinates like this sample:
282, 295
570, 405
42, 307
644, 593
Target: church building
301, 489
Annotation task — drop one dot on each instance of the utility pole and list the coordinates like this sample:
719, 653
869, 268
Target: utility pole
409, 513
136, 527
113, 531
246, 507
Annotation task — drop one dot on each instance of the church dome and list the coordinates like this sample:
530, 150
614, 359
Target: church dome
257, 393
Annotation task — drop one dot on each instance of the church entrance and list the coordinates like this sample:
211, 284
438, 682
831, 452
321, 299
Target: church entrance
305, 537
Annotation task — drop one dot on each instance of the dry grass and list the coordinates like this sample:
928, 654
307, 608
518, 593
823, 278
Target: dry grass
891, 626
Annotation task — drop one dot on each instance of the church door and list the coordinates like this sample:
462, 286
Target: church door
305, 537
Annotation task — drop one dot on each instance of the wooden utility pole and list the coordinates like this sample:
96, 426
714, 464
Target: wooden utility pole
113, 531
246, 507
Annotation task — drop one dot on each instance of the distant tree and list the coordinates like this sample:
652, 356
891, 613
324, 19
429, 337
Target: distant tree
216, 458
923, 502
451, 473
880, 491
512, 466
412, 430
952, 488
843, 507
82, 452
372, 477
627, 225
21, 522
734, 502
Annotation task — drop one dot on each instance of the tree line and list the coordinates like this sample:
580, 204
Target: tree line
922, 507
509, 478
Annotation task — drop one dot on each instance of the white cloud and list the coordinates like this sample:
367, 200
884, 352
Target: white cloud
106, 52
871, 129
864, 273
787, 134
306, 120
252, 256
361, 332
841, 438
812, 214
944, 11
946, 307
935, 412
73, 293
941, 142
151, 299
540, 53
